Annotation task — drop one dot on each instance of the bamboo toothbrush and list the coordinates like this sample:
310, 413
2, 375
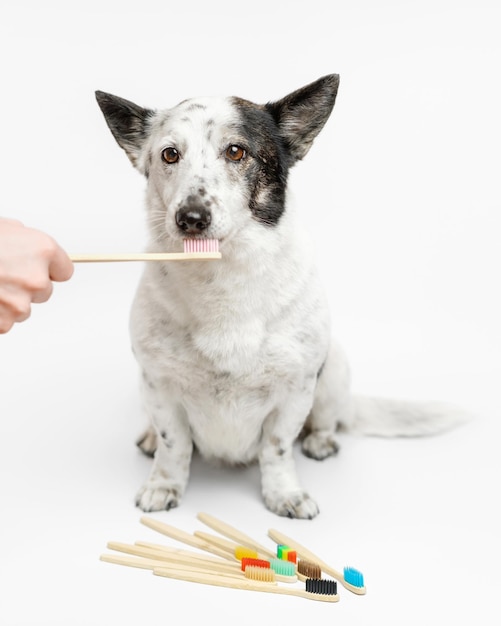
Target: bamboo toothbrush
163, 549
231, 547
131, 561
352, 579
193, 559
219, 542
183, 537
145, 256
322, 590
194, 250
231, 532
151, 564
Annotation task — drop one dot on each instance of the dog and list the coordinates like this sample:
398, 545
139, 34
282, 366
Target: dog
236, 356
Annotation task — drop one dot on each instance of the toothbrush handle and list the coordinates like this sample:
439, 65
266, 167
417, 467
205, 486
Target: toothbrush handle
234, 534
144, 256
182, 536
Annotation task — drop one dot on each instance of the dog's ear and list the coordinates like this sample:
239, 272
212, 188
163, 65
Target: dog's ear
128, 122
302, 114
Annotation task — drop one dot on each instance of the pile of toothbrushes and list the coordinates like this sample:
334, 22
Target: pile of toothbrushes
233, 559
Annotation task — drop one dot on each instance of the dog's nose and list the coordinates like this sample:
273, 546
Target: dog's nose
193, 220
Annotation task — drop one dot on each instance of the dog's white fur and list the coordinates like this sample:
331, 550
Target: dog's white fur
236, 355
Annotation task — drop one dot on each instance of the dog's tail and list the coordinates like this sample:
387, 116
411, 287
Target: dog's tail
385, 417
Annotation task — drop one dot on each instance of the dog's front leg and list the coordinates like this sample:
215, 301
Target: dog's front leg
281, 489
171, 464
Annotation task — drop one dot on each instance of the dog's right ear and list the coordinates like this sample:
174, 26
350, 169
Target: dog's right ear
301, 115
128, 122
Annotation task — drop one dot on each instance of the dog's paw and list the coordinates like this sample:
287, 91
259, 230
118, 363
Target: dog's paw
294, 505
319, 445
157, 498
147, 442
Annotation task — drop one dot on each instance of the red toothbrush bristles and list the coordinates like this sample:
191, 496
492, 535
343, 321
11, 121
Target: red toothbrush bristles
246, 561
201, 245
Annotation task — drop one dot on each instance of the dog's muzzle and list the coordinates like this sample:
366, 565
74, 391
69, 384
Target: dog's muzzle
193, 221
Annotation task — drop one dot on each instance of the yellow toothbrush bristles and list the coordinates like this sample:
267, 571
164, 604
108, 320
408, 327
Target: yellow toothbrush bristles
242, 552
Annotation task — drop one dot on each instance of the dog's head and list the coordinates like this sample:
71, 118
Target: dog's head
215, 166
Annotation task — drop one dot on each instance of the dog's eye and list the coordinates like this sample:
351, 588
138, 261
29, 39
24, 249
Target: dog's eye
235, 153
170, 155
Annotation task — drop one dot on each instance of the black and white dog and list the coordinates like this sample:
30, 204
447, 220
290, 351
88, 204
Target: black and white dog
236, 355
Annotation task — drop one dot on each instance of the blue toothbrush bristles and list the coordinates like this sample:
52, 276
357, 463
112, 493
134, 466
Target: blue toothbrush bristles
353, 577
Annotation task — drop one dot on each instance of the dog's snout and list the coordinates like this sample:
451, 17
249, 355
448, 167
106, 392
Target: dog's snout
193, 220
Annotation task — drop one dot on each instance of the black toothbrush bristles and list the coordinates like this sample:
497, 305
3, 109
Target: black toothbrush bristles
321, 586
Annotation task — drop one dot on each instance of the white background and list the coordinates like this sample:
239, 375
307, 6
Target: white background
401, 190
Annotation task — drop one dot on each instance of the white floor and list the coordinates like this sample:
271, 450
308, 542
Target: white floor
406, 207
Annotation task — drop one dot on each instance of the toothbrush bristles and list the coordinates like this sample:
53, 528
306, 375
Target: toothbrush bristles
322, 586
309, 569
201, 245
353, 577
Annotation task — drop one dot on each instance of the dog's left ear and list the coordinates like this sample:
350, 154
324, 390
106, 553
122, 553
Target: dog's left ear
302, 114
128, 122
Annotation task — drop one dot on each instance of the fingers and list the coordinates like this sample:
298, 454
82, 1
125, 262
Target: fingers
60, 265
41, 292
14, 308
6, 320
15, 302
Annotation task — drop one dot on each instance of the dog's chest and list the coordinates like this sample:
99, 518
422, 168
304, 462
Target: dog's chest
226, 408
223, 321
230, 352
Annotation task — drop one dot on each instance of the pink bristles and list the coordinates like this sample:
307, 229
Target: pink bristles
201, 245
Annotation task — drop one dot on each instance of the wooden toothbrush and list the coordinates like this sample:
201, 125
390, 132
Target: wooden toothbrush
194, 250
234, 534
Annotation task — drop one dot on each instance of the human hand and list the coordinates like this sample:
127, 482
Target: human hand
29, 261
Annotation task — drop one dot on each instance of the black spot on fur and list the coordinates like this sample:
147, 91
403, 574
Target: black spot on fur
147, 166
163, 269
268, 168
319, 373
196, 105
165, 438
278, 134
147, 380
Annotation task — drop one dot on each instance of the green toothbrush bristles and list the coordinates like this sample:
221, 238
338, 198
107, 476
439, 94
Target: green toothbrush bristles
353, 577
283, 568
